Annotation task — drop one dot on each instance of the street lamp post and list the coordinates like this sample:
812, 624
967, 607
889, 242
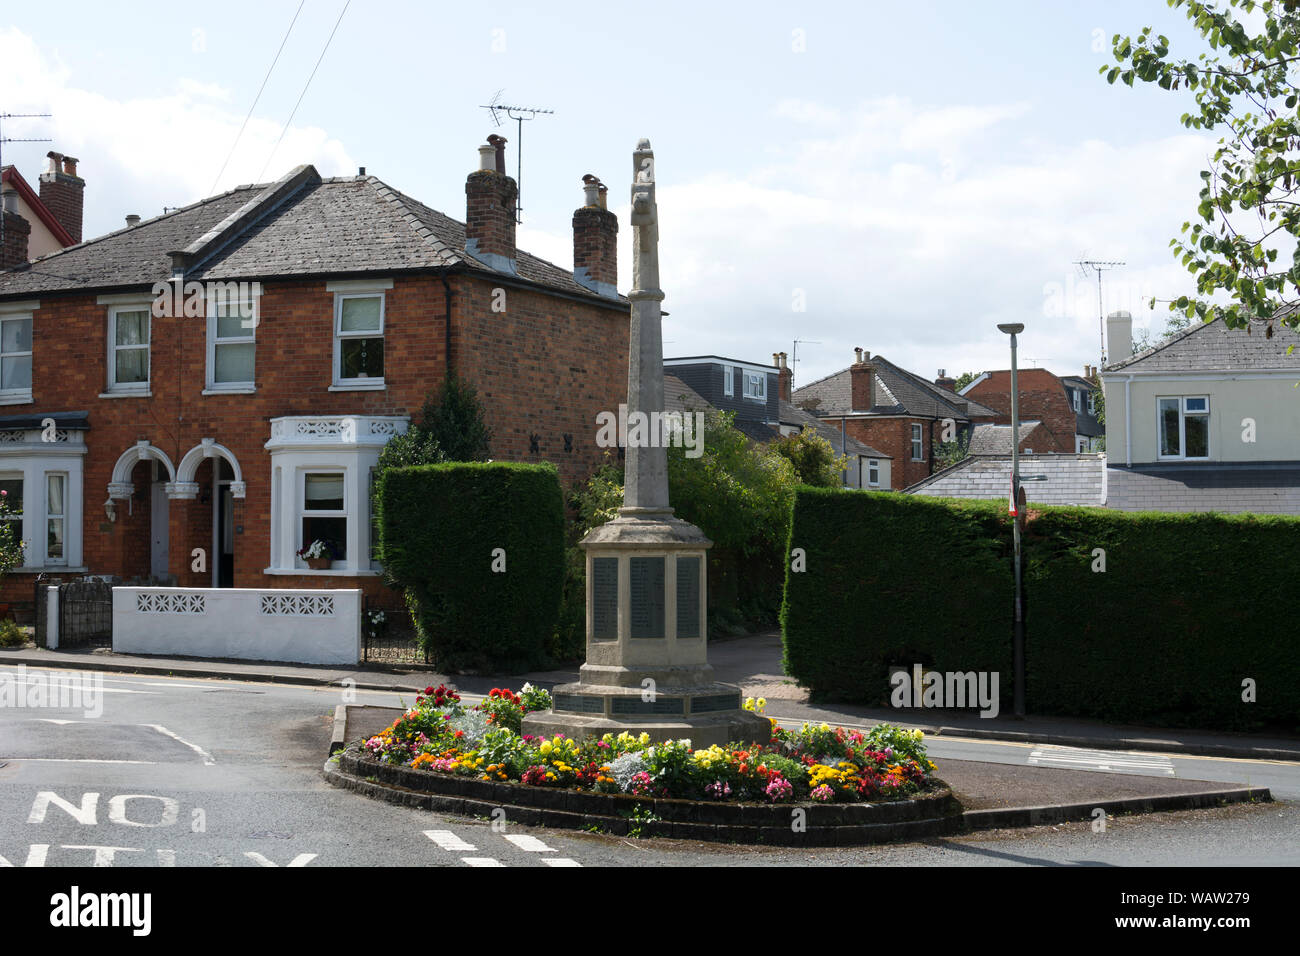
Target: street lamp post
1018, 631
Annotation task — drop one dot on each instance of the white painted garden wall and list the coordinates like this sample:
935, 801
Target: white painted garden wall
302, 627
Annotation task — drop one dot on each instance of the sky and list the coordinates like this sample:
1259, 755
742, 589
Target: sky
896, 177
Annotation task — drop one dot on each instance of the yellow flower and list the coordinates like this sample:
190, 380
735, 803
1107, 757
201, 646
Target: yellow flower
825, 726
545, 748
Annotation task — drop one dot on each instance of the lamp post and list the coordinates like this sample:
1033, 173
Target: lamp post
1018, 629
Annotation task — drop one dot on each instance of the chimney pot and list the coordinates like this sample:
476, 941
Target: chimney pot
487, 157
858, 353
602, 192
499, 146
11, 200
55, 160
590, 190
132, 221
70, 165
361, 170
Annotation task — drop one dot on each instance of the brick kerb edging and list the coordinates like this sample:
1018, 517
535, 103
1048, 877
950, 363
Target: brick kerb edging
857, 824
936, 814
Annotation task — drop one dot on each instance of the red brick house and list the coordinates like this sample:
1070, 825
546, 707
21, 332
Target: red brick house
1065, 407
890, 409
198, 396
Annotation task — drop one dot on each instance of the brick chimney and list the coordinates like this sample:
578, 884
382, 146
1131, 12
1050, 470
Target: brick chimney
944, 381
861, 374
490, 208
63, 192
595, 241
16, 231
784, 377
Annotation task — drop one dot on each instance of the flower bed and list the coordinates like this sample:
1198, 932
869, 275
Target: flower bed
817, 764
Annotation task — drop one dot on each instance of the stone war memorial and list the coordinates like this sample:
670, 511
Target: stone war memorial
647, 668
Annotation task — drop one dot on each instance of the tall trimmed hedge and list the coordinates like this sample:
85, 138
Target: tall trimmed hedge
1187, 608
439, 527
893, 579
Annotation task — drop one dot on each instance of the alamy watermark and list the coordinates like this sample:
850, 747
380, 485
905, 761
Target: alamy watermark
190, 300
922, 688
651, 430
55, 690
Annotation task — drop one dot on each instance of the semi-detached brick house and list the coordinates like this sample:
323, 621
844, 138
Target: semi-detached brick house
894, 411
248, 438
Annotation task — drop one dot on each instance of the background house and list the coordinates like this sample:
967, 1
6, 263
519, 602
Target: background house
1065, 407
898, 413
867, 467
1207, 420
1078, 479
247, 438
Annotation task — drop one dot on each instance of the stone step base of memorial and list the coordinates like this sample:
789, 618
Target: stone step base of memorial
705, 715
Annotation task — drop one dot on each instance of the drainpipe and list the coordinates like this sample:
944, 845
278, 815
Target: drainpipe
1128, 424
446, 286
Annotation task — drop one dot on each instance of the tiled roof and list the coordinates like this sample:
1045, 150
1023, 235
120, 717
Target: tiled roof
1212, 346
996, 439
895, 391
299, 225
1071, 479
846, 444
1266, 488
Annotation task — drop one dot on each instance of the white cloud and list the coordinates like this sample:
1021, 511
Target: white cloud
141, 154
914, 244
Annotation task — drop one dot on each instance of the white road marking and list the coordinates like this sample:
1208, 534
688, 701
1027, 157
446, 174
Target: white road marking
480, 861
449, 841
208, 761
51, 720
1106, 761
529, 844
302, 859
560, 861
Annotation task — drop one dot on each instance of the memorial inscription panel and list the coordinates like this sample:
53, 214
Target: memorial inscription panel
646, 613
604, 599
688, 598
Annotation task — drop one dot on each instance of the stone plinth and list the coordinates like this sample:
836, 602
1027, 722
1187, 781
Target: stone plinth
647, 666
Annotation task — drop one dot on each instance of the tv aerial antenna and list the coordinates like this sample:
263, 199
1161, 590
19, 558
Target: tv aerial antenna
794, 356
1099, 266
17, 139
521, 115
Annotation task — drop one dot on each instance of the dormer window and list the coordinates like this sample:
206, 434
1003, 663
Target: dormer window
728, 381
756, 386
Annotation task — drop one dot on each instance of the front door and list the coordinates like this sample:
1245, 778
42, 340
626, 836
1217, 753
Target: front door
158, 513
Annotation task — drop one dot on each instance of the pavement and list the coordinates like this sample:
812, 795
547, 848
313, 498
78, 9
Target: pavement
753, 662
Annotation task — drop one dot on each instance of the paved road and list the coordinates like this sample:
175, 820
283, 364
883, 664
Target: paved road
197, 772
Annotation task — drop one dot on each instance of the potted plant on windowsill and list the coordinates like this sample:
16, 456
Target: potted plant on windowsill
318, 555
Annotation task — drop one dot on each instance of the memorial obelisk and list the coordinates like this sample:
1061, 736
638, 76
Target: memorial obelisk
647, 666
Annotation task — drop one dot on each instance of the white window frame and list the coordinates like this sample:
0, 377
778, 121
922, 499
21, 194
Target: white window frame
212, 385
1076, 400
1092, 402
729, 381
1183, 414
349, 559
755, 386
339, 335
21, 517
873, 465
129, 388
15, 396
918, 442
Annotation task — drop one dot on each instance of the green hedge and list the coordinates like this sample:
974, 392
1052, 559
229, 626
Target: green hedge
438, 528
1188, 607
893, 579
